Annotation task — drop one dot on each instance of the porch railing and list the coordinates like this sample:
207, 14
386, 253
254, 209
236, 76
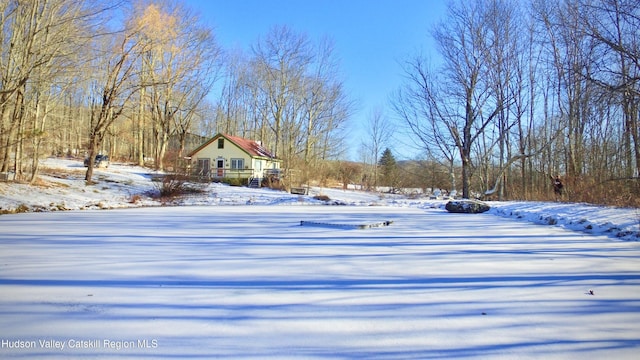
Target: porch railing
218, 173
229, 173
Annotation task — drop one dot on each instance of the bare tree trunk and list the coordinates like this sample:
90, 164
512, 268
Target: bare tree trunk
140, 124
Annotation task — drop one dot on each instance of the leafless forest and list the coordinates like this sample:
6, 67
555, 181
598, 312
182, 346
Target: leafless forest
520, 91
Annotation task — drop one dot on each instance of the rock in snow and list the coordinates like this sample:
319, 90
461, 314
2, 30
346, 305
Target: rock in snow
467, 206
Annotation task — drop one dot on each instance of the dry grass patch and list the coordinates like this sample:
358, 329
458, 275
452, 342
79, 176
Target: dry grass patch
322, 197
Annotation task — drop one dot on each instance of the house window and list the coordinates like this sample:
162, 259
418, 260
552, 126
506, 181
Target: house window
237, 164
221, 143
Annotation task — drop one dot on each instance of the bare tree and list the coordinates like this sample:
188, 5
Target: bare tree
233, 115
181, 60
614, 25
378, 131
422, 108
298, 95
38, 57
461, 102
281, 60
114, 85
324, 110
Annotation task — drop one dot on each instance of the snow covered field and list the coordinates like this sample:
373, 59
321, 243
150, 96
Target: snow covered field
218, 280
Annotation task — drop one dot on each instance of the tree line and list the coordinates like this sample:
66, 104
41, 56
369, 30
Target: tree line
520, 91
525, 90
132, 79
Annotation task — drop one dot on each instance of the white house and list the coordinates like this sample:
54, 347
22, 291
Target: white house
227, 156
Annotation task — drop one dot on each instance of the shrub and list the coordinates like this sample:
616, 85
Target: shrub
235, 181
273, 182
22, 208
322, 197
135, 199
176, 185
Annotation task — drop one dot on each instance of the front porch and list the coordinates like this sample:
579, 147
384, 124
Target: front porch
247, 177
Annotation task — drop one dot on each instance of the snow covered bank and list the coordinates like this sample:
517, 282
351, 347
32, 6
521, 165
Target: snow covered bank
120, 184
621, 223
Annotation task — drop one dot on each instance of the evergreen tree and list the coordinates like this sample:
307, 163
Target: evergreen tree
388, 169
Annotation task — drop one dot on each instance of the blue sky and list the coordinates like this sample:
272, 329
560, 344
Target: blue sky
371, 38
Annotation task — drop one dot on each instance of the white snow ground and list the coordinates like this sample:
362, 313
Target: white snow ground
214, 280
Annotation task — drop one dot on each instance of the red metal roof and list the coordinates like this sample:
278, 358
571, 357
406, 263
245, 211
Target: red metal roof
250, 146
253, 148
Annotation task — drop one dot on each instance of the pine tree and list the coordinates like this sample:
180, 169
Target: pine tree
388, 169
